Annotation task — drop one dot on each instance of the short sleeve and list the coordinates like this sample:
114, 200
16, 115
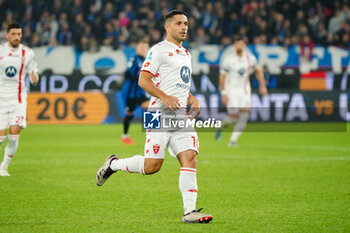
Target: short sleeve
254, 62
32, 66
152, 61
224, 66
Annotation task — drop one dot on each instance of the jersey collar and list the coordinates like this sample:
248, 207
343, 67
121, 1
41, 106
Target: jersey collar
172, 44
12, 49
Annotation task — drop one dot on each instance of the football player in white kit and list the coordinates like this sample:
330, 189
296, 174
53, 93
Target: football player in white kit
235, 87
170, 63
16, 61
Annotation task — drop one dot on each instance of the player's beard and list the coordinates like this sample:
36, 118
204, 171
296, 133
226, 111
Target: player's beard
239, 51
178, 37
14, 43
182, 38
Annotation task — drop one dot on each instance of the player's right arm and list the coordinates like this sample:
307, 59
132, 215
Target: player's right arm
222, 78
151, 65
222, 87
146, 83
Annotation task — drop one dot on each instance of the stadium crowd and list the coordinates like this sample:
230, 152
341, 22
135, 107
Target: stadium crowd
88, 24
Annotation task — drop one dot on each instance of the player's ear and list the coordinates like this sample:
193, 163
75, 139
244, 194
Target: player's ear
166, 26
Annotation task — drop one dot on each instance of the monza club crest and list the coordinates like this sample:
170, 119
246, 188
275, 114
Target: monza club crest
156, 148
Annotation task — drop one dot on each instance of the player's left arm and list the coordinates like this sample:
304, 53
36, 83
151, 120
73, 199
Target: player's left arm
260, 77
32, 69
34, 78
195, 105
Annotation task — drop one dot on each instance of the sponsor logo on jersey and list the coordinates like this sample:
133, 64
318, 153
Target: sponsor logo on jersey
152, 120
149, 56
184, 86
147, 64
171, 54
10, 71
156, 148
241, 71
185, 74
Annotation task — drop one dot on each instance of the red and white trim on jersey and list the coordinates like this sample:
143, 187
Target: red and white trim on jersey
20, 77
187, 169
147, 72
247, 78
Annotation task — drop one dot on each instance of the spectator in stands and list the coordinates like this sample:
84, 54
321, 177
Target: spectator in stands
261, 21
65, 35
335, 22
79, 27
110, 37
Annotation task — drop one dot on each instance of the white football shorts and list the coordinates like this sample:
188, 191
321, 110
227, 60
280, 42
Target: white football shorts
176, 142
16, 115
238, 102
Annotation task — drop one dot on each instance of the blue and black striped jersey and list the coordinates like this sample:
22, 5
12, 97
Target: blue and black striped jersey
131, 88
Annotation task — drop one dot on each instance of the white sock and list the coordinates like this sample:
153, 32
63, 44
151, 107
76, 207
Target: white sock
10, 149
188, 187
133, 164
2, 139
240, 126
228, 121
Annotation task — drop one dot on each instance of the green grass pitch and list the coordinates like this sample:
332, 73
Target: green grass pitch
273, 182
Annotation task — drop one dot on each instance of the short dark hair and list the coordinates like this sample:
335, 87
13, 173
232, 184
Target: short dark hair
238, 38
13, 25
143, 40
171, 14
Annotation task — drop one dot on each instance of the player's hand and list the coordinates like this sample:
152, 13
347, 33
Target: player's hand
34, 78
263, 91
224, 99
195, 108
171, 102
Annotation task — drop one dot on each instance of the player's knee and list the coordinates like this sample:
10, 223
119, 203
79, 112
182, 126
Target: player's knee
152, 167
15, 130
188, 159
193, 161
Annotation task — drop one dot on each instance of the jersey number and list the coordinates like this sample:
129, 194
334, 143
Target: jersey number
195, 142
19, 119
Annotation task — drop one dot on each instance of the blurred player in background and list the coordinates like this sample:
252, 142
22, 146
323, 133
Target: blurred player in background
235, 88
16, 61
171, 62
132, 93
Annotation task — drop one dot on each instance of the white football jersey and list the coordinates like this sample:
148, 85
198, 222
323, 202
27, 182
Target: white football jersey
237, 70
171, 66
15, 64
